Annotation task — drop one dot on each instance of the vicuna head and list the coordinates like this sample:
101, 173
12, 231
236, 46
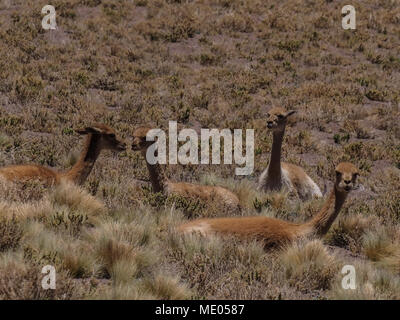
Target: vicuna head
277, 118
139, 139
106, 135
346, 176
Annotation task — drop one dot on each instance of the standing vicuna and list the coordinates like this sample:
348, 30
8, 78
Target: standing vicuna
160, 183
280, 174
99, 137
274, 232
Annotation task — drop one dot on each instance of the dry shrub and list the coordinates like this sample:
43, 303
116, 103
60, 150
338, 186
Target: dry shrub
124, 291
167, 288
347, 233
379, 243
227, 268
371, 284
25, 283
22, 191
309, 266
76, 199
64, 197
382, 246
11, 234
236, 22
78, 259
22, 211
67, 221
173, 24
191, 207
122, 250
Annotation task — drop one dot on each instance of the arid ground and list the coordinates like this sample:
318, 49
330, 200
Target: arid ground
206, 64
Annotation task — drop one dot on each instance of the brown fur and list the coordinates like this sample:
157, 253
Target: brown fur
203, 192
161, 184
24, 173
296, 174
98, 137
280, 174
275, 232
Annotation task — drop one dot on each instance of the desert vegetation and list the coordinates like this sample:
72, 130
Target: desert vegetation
205, 64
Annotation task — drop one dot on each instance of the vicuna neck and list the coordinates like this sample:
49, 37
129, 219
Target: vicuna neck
321, 223
82, 168
274, 169
157, 177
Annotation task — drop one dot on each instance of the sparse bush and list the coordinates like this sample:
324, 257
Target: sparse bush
166, 288
24, 283
376, 95
378, 245
11, 234
348, 232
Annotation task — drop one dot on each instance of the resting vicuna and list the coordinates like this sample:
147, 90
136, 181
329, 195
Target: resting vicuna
161, 184
99, 137
280, 174
274, 232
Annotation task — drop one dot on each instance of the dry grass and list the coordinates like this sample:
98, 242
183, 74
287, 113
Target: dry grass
309, 266
206, 64
371, 284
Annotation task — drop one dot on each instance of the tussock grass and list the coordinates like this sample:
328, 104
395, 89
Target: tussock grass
371, 284
167, 288
151, 61
130, 291
349, 231
384, 249
118, 247
11, 234
64, 197
379, 244
76, 199
309, 266
20, 280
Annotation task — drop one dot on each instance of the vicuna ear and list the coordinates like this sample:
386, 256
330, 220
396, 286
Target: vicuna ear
289, 113
88, 130
81, 131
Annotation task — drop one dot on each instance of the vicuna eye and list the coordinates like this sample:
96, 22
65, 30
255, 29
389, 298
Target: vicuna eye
280, 116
